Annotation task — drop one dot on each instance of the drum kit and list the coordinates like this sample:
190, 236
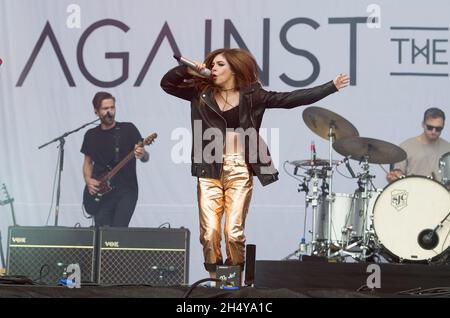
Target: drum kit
444, 169
407, 221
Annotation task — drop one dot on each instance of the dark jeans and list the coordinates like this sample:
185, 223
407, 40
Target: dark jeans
117, 208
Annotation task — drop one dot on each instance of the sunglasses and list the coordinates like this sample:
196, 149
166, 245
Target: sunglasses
438, 128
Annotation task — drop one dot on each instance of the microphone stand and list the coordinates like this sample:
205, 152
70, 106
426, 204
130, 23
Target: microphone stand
2, 255
62, 141
429, 241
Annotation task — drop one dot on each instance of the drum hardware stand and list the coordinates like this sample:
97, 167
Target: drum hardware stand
303, 187
364, 183
428, 239
314, 175
325, 187
364, 187
313, 200
330, 195
303, 248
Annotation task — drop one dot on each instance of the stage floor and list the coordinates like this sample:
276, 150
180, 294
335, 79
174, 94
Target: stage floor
273, 279
33, 291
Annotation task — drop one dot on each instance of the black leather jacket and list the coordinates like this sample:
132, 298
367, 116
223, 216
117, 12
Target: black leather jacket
253, 102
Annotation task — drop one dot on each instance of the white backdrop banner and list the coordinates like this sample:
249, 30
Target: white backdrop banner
56, 54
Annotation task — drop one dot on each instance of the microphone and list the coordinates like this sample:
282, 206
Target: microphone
204, 71
313, 152
428, 239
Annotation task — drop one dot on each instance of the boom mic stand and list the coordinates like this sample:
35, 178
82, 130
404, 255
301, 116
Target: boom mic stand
62, 141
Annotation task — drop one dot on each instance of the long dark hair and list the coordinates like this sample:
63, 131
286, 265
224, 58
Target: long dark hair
242, 64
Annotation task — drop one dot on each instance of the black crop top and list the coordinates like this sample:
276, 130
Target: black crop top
232, 117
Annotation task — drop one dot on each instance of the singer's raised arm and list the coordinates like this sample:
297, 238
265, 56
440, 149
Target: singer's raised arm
173, 83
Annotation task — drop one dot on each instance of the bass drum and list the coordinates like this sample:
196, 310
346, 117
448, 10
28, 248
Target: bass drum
405, 215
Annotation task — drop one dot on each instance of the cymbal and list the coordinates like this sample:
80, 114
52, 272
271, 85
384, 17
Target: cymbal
319, 120
312, 163
377, 151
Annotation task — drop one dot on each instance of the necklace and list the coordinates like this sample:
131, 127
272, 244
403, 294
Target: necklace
226, 100
227, 89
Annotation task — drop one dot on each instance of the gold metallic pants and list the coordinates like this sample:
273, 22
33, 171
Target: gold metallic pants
230, 194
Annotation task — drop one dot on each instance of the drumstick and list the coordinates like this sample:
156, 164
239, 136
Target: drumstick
383, 169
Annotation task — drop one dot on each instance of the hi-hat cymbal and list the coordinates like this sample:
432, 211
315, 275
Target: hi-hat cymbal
376, 151
312, 163
320, 120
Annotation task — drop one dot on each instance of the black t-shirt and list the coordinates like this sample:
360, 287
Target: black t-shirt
100, 145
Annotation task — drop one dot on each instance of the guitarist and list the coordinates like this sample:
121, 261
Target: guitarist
103, 147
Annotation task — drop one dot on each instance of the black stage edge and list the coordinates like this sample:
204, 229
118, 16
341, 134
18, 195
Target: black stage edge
393, 279
273, 280
35, 291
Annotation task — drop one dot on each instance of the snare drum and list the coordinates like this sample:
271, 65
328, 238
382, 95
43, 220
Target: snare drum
444, 168
405, 215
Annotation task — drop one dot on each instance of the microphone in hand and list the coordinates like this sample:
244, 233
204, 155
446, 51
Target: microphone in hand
184, 61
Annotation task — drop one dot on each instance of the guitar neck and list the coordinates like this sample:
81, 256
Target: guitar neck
13, 215
120, 165
9, 201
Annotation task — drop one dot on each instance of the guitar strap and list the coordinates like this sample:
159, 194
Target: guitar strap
116, 144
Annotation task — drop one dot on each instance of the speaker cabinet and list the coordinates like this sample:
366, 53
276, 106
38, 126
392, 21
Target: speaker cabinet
150, 256
42, 253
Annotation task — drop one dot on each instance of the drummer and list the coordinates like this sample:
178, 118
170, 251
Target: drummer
424, 151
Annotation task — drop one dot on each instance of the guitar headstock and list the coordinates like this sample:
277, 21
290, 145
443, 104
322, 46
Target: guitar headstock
7, 196
149, 140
